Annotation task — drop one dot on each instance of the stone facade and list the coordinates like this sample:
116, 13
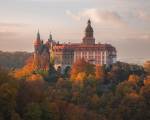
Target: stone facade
42, 53
66, 54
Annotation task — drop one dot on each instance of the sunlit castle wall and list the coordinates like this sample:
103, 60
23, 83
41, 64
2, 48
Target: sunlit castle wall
67, 54
96, 54
41, 54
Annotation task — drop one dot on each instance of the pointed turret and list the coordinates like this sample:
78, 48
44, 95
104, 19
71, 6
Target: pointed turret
37, 42
50, 42
38, 35
38, 39
50, 37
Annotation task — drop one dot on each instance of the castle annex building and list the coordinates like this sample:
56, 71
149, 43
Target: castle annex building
66, 54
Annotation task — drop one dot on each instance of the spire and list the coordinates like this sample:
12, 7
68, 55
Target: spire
89, 22
38, 35
89, 30
50, 36
37, 42
89, 37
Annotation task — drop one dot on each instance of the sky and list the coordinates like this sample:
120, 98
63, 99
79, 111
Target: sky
123, 23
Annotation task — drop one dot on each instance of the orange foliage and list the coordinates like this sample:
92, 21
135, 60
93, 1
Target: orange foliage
134, 95
81, 76
147, 66
34, 77
81, 69
99, 73
26, 70
147, 80
133, 79
95, 99
78, 67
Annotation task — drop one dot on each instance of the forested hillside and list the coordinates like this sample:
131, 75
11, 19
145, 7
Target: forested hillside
82, 92
12, 60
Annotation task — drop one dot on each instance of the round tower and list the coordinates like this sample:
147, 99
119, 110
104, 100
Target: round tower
89, 37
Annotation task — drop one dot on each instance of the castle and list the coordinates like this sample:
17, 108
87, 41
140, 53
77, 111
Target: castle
64, 55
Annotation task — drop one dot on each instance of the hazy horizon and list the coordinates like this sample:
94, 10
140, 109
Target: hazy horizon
123, 23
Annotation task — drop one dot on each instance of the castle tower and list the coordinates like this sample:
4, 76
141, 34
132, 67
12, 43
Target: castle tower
89, 38
37, 43
50, 37
37, 48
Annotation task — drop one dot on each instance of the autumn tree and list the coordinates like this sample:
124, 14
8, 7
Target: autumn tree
4, 76
35, 77
131, 107
8, 93
26, 71
134, 79
30, 91
33, 112
15, 116
99, 73
81, 69
7, 100
145, 93
147, 66
95, 102
147, 80
124, 88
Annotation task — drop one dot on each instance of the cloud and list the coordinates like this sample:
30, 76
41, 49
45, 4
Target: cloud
9, 29
8, 24
76, 17
143, 15
145, 37
7, 34
97, 16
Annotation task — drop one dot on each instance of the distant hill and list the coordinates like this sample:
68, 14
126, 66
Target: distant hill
12, 60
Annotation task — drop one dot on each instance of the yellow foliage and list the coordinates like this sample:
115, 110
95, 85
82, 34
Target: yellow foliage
81, 69
81, 76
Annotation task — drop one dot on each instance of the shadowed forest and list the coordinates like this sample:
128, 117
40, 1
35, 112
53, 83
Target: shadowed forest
83, 92
13, 60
